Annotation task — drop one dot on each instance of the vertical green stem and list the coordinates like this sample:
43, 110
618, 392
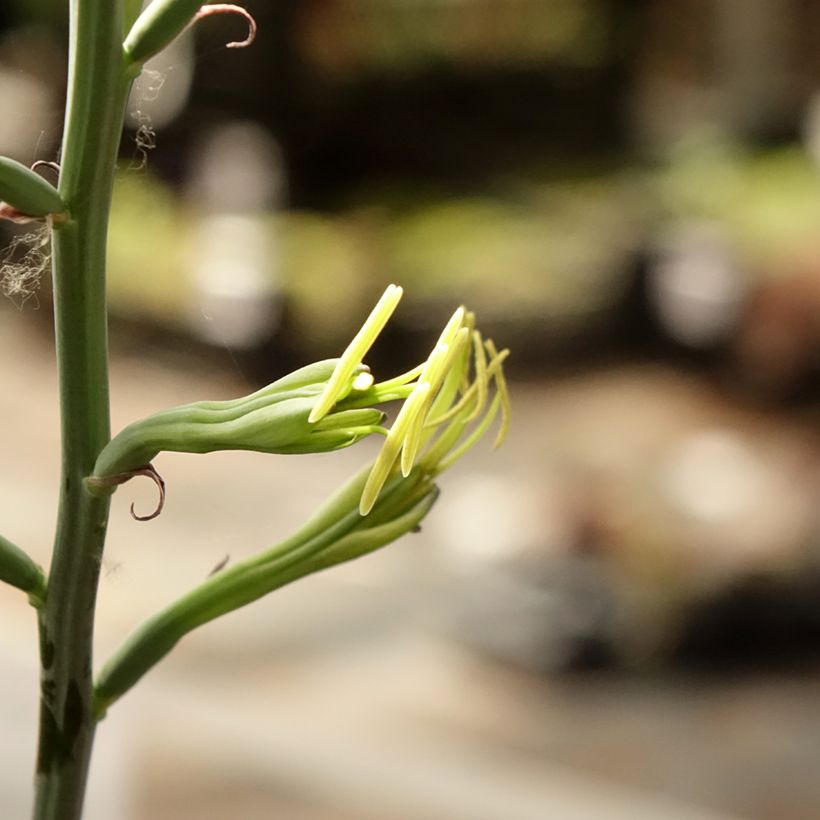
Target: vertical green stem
97, 93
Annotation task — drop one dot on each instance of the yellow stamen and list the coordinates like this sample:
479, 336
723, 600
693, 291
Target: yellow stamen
390, 449
492, 368
355, 352
471, 440
481, 380
501, 386
404, 378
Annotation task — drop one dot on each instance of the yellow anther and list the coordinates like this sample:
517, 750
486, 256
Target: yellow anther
454, 324
392, 445
355, 352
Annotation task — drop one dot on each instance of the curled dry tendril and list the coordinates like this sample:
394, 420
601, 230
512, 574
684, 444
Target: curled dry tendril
149, 471
229, 8
44, 163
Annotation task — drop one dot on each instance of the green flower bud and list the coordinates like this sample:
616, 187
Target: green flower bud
17, 569
26, 194
272, 420
158, 26
164, 20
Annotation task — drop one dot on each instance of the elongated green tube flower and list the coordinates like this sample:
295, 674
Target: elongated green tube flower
272, 420
17, 569
336, 533
25, 194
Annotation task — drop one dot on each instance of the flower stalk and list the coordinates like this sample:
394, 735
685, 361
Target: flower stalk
97, 95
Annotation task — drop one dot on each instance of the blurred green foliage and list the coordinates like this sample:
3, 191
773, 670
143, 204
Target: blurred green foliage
557, 251
767, 202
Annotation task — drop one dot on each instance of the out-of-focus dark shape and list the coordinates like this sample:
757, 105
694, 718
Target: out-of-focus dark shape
31, 87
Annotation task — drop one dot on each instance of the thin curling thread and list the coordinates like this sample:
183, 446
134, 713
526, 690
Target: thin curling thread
151, 473
228, 8
355, 352
110, 482
44, 163
23, 263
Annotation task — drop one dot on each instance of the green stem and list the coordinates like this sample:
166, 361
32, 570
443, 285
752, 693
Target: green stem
97, 93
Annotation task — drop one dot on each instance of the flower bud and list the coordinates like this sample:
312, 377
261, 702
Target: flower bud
164, 20
271, 420
157, 27
26, 194
17, 569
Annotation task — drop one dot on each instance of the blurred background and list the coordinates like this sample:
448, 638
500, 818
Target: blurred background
616, 615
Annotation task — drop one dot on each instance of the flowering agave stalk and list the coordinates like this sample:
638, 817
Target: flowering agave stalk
446, 404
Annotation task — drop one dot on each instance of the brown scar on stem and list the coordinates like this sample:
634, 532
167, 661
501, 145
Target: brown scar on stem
229, 8
149, 471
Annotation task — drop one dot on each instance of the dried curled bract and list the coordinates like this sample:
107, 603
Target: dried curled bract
229, 8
